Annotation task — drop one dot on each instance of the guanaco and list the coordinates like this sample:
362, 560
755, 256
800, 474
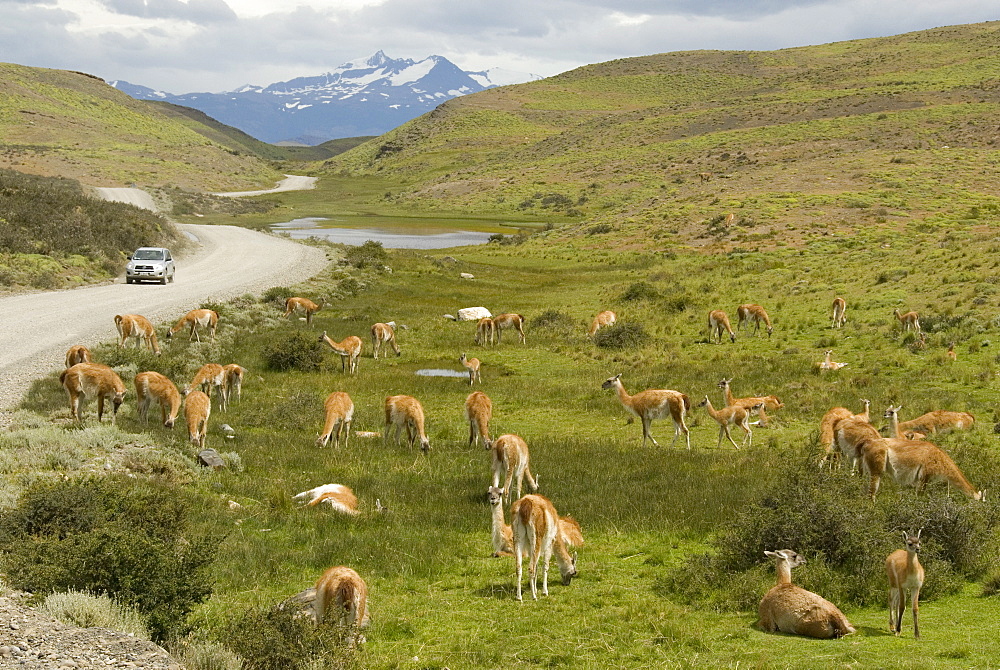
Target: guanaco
211, 376
503, 322
829, 423
510, 457
905, 573
705, 176
349, 350
383, 333
234, 375
306, 305
718, 321
479, 411
404, 410
88, 380
139, 327
951, 355
770, 402
828, 363
913, 463
339, 497
77, 354
654, 404
839, 315
755, 313
342, 597
195, 319
485, 331
153, 387
736, 416
339, 411
910, 320
791, 609
535, 528
606, 318
197, 409
502, 536
938, 421
473, 366
852, 435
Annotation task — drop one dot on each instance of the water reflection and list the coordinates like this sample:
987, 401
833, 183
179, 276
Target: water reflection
309, 227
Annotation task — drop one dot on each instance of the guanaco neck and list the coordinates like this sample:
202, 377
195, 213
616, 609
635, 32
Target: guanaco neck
711, 410
784, 572
894, 425
729, 394
623, 395
864, 415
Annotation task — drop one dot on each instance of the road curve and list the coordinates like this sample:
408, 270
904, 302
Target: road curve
289, 183
36, 329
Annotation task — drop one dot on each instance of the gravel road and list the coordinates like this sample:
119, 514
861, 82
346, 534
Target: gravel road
289, 183
36, 329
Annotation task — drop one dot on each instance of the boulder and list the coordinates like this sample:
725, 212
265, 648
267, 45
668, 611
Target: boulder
210, 458
473, 313
466, 275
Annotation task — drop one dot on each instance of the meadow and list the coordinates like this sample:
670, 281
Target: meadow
649, 514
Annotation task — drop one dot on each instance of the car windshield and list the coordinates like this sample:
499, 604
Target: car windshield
148, 255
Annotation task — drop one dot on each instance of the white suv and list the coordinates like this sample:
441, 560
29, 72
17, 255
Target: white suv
152, 263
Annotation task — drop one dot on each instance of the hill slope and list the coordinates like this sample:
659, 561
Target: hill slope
68, 124
806, 141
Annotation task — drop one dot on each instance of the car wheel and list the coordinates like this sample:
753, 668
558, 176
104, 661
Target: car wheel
172, 278
128, 280
164, 281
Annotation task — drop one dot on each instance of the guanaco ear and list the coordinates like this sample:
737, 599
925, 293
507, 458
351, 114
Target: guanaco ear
919, 532
617, 376
906, 536
771, 554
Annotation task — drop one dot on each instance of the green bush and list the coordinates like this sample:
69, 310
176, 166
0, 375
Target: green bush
621, 335
124, 538
639, 291
554, 319
277, 295
87, 610
369, 254
204, 655
292, 351
280, 639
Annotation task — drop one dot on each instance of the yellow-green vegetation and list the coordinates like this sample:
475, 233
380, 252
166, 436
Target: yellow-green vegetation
69, 124
799, 143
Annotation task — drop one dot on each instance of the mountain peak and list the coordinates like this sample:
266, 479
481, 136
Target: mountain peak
377, 59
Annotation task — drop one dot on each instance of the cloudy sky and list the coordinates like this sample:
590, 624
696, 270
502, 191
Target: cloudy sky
183, 46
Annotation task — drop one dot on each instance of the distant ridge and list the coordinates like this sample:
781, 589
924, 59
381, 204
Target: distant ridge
365, 96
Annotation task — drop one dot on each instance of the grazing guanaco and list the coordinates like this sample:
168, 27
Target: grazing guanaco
735, 416
756, 314
342, 597
304, 305
654, 404
951, 355
914, 463
535, 527
510, 457
197, 409
485, 331
404, 410
729, 220
852, 436
89, 380
339, 497
195, 319
829, 423
211, 376
153, 387
479, 411
339, 412
910, 320
349, 350
770, 402
718, 321
705, 176
791, 609
77, 354
569, 530
828, 363
383, 333
234, 375
473, 366
603, 319
938, 421
139, 327
502, 322
905, 573
839, 312
503, 537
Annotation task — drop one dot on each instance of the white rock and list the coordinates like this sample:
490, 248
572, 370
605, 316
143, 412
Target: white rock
465, 275
473, 313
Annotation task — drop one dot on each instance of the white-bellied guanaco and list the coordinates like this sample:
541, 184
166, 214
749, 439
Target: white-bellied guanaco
92, 380
771, 403
839, 315
234, 375
305, 305
473, 366
718, 322
510, 458
791, 609
211, 376
909, 321
342, 597
197, 409
503, 322
602, 320
349, 350
153, 387
195, 319
383, 333
340, 498
77, 354
339, 412
405, 411
753, 313
139, 327
730, 416
903, 569
535, 527
479, 411
485, 332
828, 424
654, 404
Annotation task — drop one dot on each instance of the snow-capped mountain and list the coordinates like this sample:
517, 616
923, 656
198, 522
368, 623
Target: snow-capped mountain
365, 96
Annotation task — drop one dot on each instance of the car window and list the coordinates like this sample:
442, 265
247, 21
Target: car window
148, 255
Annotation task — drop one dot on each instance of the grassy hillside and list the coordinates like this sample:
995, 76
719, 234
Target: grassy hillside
68, 124
798, 144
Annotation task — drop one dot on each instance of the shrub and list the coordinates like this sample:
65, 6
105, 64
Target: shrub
600, 229
552, 318
124, 538
87, 610
292, 351
369, 254
280, 639
277, 295
621, 335
204, 655
639, 291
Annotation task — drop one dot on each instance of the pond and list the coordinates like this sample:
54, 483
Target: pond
441, 372
389, 237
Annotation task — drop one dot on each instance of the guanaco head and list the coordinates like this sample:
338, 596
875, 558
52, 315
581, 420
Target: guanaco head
322, 338
786, 556
495, 495
569, 571
725, 382
891, 411
462, 359
912, 541
169, 423
611, 381
118, 400
425, 444
770, 329
704, 403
